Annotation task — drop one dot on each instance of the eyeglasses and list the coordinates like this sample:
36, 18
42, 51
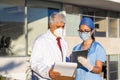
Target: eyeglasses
85, 31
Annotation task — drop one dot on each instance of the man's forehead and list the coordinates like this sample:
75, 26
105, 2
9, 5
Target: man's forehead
56, 17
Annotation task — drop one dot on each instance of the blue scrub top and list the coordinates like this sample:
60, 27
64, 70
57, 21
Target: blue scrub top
96, 52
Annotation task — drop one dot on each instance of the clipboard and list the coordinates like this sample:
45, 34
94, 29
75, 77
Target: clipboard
65, 68
76, 54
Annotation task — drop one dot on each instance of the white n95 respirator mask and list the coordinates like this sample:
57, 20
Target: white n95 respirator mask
59, 32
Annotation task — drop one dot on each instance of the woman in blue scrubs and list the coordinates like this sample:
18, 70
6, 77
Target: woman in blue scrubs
92, 66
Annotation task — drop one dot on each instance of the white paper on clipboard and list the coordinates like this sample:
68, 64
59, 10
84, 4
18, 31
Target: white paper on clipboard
65, 68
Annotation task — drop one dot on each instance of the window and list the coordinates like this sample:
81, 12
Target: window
119, 24
113, 14
87, 11
12, 29
100, 13
100, 27
73, 20
113, 27
38, 17
99, 18
113, 67
37, 24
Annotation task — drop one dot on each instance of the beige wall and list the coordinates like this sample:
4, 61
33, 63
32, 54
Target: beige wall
19, 65
111, 45
14, 67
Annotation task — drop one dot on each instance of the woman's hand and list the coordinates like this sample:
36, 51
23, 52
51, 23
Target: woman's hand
85, 62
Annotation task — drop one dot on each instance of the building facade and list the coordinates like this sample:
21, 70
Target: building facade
22, 21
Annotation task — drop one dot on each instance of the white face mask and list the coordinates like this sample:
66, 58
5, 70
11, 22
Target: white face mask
59, 32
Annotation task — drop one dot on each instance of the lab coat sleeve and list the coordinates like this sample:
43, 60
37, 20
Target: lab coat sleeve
37, 60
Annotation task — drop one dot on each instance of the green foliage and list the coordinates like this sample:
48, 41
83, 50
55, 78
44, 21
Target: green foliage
2, 78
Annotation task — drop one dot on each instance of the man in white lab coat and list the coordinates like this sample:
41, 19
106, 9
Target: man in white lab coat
46, 50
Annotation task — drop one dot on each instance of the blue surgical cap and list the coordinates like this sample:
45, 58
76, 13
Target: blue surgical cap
88, 22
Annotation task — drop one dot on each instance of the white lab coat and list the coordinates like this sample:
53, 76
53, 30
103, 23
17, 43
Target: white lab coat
45, 53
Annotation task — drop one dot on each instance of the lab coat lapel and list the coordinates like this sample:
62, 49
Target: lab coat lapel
63, 46
56, 49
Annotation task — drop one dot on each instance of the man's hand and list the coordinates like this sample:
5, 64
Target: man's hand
53, 74
85, 62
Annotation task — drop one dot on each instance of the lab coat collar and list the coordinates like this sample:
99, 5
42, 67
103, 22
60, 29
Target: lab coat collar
50, 35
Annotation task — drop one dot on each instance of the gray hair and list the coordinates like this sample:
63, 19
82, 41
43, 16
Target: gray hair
60, 15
